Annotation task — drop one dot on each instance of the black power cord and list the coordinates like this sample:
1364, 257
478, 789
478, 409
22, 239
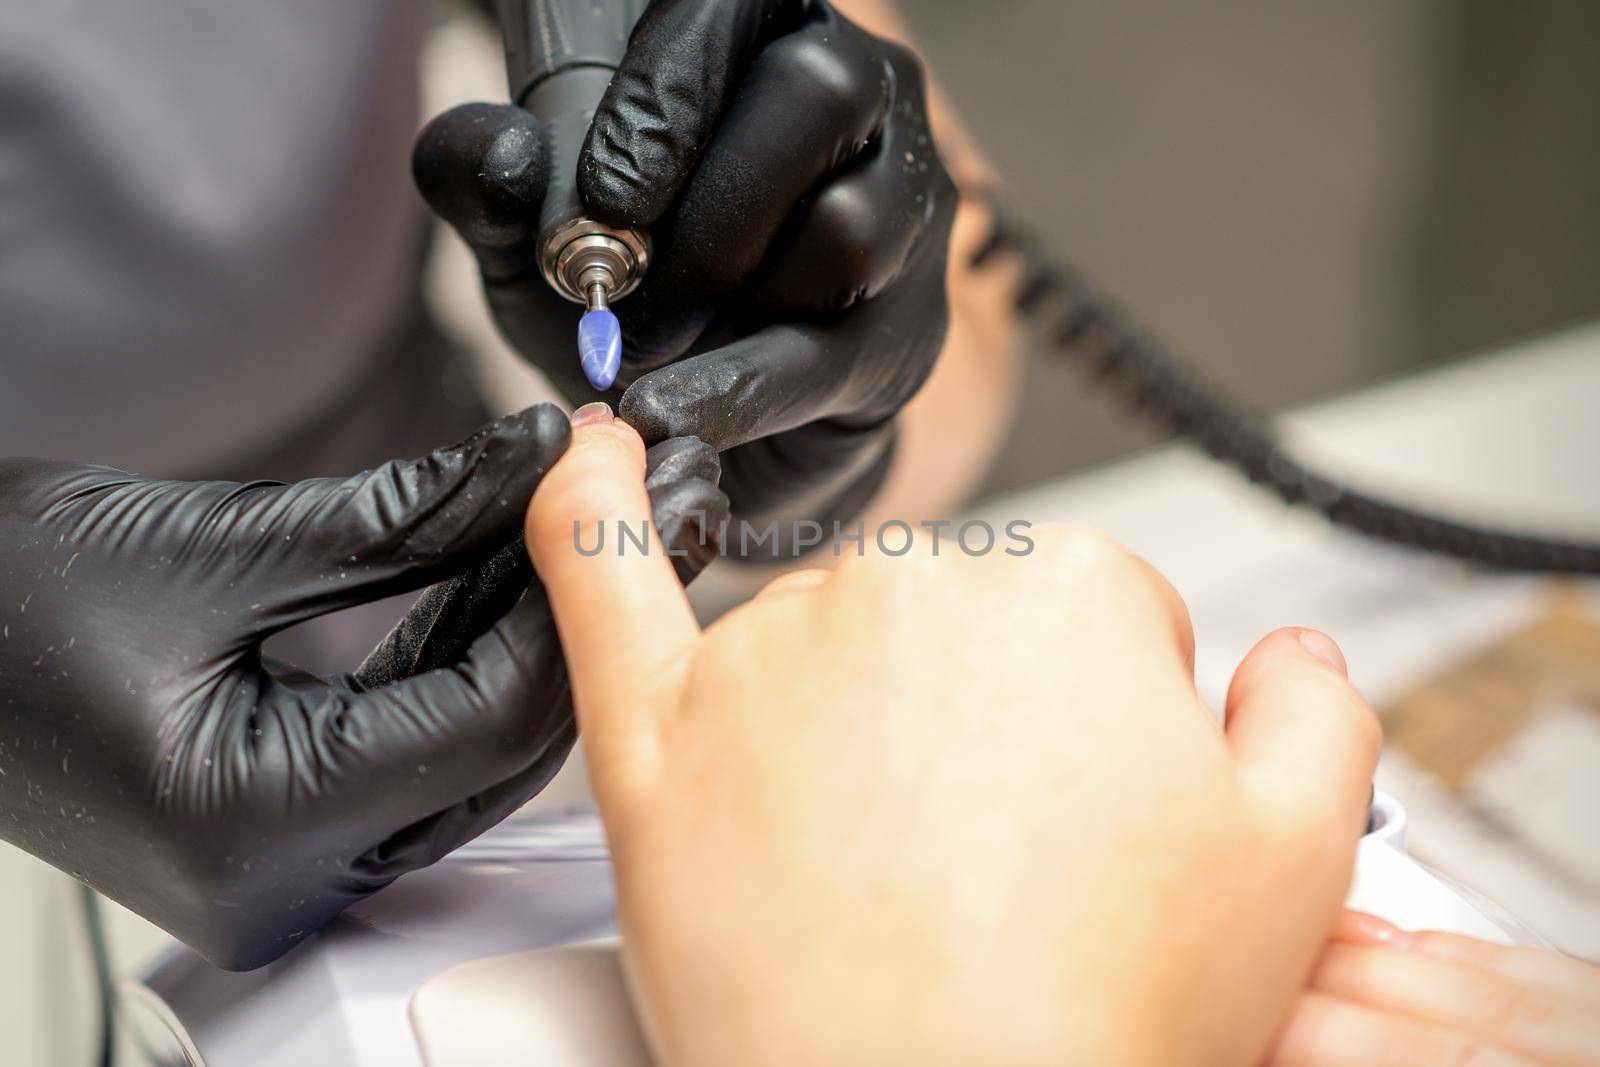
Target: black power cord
1167, 390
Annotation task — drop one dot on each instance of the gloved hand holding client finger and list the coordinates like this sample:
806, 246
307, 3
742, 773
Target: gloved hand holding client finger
151, 752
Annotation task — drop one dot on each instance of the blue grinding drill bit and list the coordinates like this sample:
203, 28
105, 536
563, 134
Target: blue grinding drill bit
600, 341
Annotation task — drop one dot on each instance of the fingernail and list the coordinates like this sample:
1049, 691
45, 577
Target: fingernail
1357, 927
1323, 648
596, 414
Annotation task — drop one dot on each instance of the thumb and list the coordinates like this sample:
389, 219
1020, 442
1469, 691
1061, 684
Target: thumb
1305, 739
484, 169
625, 623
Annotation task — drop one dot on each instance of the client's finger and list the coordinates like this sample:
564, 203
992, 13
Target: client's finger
1541, 968
1325, 1031
1303, 735
1539, 1023
625, 623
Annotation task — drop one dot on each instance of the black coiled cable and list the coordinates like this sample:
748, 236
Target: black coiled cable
1167, 390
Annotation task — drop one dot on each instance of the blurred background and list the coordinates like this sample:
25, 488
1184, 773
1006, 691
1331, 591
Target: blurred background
1304, 196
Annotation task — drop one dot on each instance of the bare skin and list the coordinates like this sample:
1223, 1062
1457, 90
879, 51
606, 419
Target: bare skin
1381, 995
948, 810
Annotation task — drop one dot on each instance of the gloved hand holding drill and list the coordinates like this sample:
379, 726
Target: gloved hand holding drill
801, 218
147, 749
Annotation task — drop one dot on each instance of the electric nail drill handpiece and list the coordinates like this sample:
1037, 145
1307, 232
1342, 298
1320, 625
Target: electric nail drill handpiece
560, 56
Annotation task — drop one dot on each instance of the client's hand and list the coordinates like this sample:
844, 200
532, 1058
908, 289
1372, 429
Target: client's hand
947, 810
1381, 996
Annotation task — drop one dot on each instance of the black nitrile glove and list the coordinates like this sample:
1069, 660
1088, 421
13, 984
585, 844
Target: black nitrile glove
781, 158
147, 750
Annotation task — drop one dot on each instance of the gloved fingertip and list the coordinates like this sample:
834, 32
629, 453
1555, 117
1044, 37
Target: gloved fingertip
550, 431
484, 169
457, 498
536, 436
649, 411
680, 459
